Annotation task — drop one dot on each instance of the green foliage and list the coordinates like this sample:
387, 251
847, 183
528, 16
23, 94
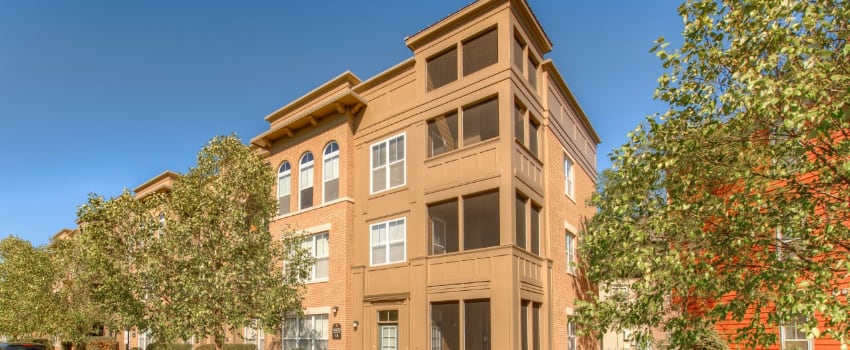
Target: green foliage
101, 343
753, 147
26, 280
239, 347
213, 264
208, 347
170, 346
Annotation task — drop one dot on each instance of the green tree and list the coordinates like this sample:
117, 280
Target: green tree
213, 264
26, 285
734, 202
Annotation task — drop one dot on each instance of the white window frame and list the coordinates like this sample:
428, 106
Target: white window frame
572, 344
388, 242
302, 179
570, 251
333, 156
314, 240
782, 335
569, 176
284, 190
386, 167
312, 318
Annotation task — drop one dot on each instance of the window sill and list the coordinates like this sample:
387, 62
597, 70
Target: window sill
571, 198
461, 149
324, 280
389, 264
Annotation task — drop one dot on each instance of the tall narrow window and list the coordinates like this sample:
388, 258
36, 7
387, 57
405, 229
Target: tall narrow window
476, 325
305, 181
442, 134
388, 330
330, 172
317, 245
388, 242
571, 335
519, 122
481, 221
534, 228
480, 52
284, 176
443, 227
442, 69
445, 326
520, 221
532, 72
518, 54
481, 121
569, 243
388, 164
533, 136
569, 177
161, 229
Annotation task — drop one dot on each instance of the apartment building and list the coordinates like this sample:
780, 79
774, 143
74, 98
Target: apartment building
443, 197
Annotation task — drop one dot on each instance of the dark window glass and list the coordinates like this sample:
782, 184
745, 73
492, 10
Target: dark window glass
532, 73
535, 229
520, 221
442, 69
533, 135
445, 319
442, 134
443, 227
518, 53
481, 221
519, 123
481, 121
535, 326
523, 315
480, 52
477, 325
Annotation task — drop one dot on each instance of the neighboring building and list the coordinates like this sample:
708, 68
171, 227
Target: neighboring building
442, 197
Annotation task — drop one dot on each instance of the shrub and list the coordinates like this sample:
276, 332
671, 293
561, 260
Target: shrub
205, 347
238, 347
101, 343
169, 346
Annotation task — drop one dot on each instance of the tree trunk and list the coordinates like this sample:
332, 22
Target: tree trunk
219, 339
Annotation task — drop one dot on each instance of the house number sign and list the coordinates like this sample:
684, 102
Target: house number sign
336, 331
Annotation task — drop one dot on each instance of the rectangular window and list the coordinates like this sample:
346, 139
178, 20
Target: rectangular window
442, 69
443, 222
481, 121
480, 52
481, 221
283, 192
388, 164
530, 325
534, 229
532, 72
520, 221
445, 326
330, 173
533, 136
794, 337
518, 53
571, 335
569, 240
476, 325
317, 245
569, 177
388, 242
388, 330
305, 187
519, 122
442, 134
308, 333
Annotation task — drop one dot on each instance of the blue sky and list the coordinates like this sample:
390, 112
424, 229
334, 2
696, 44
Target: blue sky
97, 96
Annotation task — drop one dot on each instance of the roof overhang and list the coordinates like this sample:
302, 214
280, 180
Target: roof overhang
347, 79
161, 183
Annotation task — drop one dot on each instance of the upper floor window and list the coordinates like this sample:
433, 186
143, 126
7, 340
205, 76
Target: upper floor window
284, 176
480, 224
161, 228
569, 246
523, 120
317, 246
480, 122
478, 52
527, 224
330, 172
388, 242
387, 164
524, 60
569, 177
305, 182
793, 335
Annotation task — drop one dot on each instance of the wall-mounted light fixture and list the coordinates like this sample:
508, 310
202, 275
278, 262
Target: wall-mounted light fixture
356, 324
335, 309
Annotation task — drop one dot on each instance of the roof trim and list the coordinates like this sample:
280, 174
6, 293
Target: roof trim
168, 174
385, 75
550, 68
536, 31
346, 78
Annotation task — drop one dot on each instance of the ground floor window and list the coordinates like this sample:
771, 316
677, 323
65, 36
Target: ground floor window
794, 337
388, 330
308, 333
447, 318
571, 335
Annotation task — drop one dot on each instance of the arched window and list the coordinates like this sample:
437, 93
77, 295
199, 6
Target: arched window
330, 172
305, 181
284, 175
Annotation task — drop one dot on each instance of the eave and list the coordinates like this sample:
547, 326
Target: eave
160, 183
347, 78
